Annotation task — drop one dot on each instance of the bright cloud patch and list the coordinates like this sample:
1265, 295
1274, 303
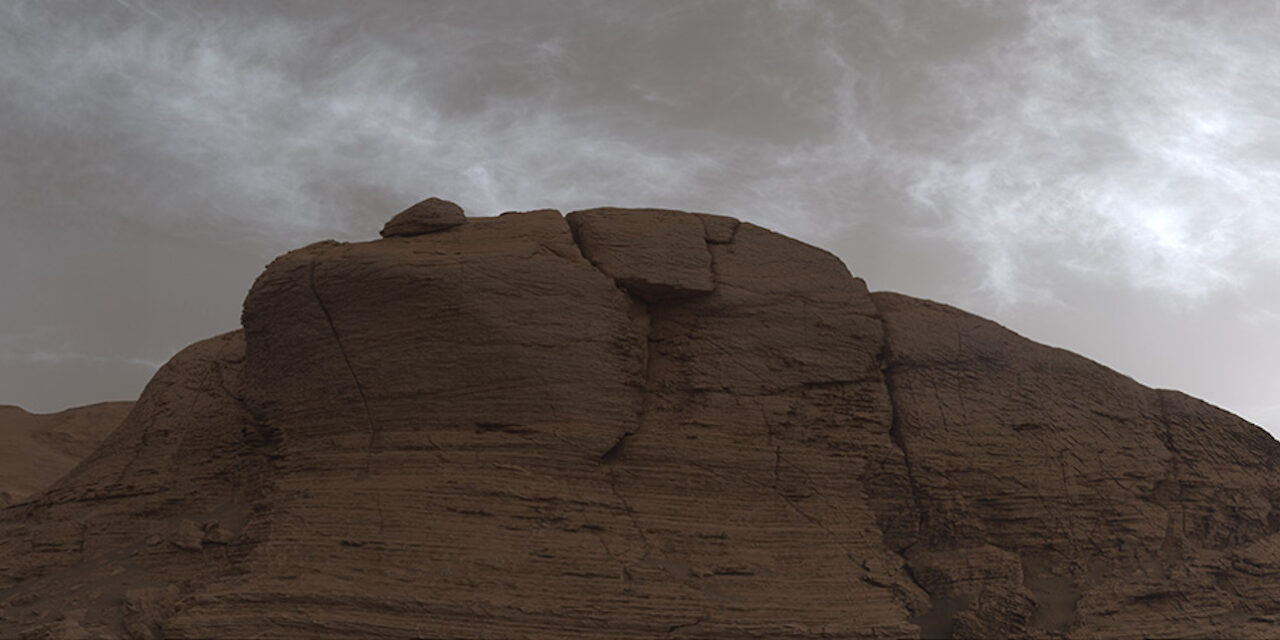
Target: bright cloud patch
1112, 136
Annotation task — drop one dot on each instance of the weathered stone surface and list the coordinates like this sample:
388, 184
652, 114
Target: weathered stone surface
1092, 505
145, 610
486, 434
188, 451
214, 533
428, 216
187, 536
36, 449
655, 254
718, 229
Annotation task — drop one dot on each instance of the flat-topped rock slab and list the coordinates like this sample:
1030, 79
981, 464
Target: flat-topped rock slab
655, 254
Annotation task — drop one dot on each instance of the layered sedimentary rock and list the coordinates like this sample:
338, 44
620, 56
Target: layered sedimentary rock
36, 449
1054, 494
637, 424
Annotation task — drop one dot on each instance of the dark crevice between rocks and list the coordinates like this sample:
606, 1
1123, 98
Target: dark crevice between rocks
577, 241
710, 236
711, 255
259, 436
364, 400
146, 430
611, 456
614, 453
936, 621
630, 513
263, 434
1173, 540
1054, 597
686, 625
899, 441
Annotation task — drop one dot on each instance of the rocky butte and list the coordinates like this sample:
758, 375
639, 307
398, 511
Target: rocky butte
628, 423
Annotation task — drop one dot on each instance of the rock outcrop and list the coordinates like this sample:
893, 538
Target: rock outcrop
429, 216
38, 448
638, 424
1054, 494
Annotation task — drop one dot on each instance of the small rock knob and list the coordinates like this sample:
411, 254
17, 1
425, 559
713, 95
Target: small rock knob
429, 216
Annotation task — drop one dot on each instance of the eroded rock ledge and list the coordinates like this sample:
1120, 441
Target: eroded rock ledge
636, 424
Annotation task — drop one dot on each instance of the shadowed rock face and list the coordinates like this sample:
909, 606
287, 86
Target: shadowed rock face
636, 424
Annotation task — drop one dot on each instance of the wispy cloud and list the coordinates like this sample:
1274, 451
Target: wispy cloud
255, 125
57, 358
1134, 138
53, 347
1048, 151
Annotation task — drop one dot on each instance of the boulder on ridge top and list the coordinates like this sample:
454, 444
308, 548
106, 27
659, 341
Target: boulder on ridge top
429, 216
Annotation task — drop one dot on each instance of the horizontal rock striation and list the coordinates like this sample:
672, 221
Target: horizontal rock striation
636, 424
1055, 495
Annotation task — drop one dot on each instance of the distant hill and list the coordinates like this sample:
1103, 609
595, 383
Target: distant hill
36, 449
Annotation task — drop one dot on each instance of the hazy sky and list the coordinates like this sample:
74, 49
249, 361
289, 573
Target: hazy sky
1100, 176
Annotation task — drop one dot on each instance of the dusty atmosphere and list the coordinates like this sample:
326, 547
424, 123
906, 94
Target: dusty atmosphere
1100, 176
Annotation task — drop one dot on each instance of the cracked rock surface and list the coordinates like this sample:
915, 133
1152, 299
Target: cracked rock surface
1057, 496
638, 424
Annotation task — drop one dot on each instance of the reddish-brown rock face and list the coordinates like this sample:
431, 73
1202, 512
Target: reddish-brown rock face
1057, 495
636, 424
